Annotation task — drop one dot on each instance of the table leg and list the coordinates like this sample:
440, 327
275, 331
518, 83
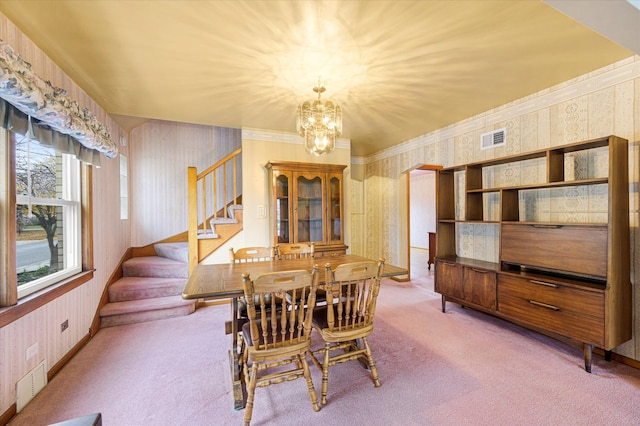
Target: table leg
234, 358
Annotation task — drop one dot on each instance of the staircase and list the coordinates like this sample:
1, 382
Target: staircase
214, 198
150, 288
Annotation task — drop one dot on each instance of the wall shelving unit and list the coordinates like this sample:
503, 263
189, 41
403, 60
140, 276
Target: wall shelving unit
568, 279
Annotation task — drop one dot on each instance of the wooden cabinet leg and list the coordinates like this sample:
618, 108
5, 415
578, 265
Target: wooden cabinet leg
607, 355
588, 351
444, 303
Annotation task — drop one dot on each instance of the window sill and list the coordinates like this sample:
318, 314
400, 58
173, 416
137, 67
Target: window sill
36, 300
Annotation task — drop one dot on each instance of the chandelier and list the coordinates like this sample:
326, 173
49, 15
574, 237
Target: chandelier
319, 123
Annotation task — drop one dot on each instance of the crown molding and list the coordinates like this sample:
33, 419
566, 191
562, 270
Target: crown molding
284, 137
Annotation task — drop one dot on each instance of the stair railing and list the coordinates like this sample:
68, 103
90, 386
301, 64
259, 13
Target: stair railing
209, 196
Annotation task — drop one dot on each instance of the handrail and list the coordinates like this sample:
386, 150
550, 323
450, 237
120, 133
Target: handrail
219, 163
206, 199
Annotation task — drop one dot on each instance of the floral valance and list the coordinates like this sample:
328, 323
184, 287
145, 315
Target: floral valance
50, 105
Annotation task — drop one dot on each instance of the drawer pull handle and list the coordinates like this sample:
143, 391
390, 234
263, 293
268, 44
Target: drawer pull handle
547, 226
480, 271
544, 283
544, 305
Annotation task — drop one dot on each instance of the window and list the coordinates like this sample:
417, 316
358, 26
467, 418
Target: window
48, 215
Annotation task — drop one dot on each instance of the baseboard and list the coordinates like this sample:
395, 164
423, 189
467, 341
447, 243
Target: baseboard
8, 415
63, 361
620, 358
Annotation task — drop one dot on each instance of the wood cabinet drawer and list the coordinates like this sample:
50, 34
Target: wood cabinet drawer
547, 291
570, 248
571, 312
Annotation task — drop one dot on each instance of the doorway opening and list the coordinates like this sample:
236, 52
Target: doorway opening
422, 189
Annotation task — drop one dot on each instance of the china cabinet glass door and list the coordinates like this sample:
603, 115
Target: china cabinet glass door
282, 210
309, 208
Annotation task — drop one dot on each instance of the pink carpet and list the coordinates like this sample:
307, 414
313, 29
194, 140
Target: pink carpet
461, 367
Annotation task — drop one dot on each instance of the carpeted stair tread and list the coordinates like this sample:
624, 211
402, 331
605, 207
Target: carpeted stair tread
231, 219
134, 311
176, 251
128, 306
154, 266
133, 288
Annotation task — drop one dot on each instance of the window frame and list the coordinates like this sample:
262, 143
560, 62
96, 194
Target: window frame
72, 218
12, 308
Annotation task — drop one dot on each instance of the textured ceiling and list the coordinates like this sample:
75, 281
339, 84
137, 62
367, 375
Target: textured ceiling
399, 69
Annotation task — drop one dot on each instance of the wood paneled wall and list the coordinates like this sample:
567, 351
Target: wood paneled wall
111, 237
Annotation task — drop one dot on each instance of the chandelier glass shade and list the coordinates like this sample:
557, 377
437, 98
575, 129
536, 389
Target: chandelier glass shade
319, 123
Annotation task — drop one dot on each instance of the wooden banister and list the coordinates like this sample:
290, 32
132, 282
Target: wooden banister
206, 201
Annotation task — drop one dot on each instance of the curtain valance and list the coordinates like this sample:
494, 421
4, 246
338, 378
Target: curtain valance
15, 120
54, 114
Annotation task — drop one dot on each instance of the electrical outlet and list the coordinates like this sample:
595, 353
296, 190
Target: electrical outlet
64, 325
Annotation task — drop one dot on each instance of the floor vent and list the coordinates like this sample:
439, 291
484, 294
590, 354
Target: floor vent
493, 139
30, 385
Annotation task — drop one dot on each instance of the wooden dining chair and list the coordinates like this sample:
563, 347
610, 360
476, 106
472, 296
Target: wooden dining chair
295, 251
278, 336
244, 255
251, 254
300, 251
347, 318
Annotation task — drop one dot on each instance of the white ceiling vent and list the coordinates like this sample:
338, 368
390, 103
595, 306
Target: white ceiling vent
493, 139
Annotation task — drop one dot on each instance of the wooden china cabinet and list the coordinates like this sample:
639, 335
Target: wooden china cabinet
307, 205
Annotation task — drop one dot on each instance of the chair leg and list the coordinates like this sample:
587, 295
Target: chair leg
307, 375
244, 365
241, 344
314, 359
372, 364
325, 374
251, 390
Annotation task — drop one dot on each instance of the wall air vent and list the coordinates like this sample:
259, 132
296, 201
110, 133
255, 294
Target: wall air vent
30, 385
493, 139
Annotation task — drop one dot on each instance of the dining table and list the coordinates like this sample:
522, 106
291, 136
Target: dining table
224, 281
